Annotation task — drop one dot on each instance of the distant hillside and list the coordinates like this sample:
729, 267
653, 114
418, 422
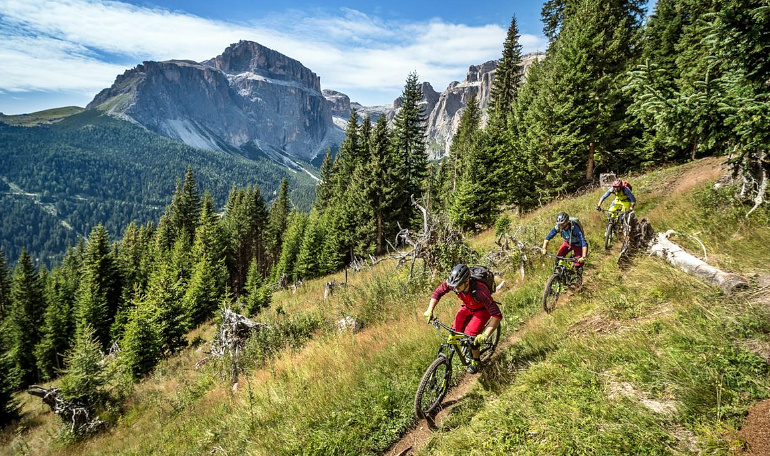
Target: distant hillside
60, 180
41, 117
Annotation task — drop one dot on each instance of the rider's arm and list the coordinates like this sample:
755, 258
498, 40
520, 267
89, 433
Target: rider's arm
436, 296
578, 234
604, 197
550, 236
629, 194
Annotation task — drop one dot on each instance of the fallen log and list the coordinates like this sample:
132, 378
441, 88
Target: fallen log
663, 247
82, 420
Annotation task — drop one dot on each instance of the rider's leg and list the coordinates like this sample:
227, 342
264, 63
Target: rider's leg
565, 247
476, 325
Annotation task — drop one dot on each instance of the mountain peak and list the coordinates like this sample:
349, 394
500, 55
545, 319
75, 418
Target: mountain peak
251, 57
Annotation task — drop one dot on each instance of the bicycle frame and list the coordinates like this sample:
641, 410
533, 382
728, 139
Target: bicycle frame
455, 343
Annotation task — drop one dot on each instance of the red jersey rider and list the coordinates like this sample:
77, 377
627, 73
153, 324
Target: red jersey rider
477, 309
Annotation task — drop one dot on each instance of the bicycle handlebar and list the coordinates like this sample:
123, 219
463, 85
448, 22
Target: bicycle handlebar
438, 324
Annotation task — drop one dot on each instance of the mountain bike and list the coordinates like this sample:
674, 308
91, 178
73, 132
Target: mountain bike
614, 222
437, 378
565, 275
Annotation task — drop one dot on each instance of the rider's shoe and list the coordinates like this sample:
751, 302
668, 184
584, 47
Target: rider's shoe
474, 366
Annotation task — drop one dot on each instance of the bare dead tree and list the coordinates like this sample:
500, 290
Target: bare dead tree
751, 170
436, 237
233, 332
81, 419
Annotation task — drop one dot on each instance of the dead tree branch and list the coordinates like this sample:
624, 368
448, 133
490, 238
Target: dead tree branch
82, 420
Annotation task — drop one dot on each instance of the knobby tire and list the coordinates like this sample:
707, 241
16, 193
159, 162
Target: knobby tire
553, 289
608, 236
433, 386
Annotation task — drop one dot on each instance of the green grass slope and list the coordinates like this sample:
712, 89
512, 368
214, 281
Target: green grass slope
47, 116
644, 361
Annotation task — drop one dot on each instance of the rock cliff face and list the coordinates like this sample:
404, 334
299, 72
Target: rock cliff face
250, 96
443, 111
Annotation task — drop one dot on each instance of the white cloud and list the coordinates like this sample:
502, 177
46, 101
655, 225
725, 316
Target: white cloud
83, 44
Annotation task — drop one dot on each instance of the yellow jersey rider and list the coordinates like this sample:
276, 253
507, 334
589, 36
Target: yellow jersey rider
624, 199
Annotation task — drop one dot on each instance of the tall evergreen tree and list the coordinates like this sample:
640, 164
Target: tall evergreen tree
245, 224
382, 189
84, 378
409, 145
308, 263
258, 294
99, 294
208, 284
141, 347
508, 77
24, 321
278, 219
5, 287
185, 206
324, 189
9, 406
291, 246
58, 327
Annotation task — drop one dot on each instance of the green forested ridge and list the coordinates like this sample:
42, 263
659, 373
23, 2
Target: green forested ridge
89, 169
609, 96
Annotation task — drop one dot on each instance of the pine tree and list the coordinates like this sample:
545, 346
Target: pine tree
382, 190
258, 294
244, 225
184, 210
58, 327
324, 189
164, 299
24, 321
208, 284
84, 378
141, 346
99, 294
5, 287
291, 246
9, 406
409, 145
308, 263
508, 77
278, 218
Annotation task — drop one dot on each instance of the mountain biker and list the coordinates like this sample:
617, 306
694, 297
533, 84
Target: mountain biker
624, 198
477, 308
574, 239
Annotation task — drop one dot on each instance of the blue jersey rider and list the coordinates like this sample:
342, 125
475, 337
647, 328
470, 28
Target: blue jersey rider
574, 238
624, 199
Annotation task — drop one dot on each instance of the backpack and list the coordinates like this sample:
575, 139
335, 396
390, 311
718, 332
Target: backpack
574, 220
484, 275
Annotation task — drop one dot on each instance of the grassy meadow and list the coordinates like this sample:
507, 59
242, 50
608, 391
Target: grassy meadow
644, 361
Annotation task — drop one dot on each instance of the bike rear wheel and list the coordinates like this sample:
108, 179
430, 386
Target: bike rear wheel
488, 349
553, 289
433, 387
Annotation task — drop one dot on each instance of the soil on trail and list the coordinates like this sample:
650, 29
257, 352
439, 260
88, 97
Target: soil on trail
416, 438
756, 431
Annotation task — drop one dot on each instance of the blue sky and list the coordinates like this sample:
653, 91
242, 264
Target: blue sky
62, 52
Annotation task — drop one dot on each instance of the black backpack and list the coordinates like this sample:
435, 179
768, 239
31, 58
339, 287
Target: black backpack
484, 275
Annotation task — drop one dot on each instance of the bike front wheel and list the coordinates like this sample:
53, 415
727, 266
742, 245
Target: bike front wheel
608, 235
433, 387
553, 289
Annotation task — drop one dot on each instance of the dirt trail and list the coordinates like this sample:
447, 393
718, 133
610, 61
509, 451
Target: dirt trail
691, 177
419, 435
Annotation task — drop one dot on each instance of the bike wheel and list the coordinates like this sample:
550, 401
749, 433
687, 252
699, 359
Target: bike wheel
553, 289
433, 386
608, 236
488, 349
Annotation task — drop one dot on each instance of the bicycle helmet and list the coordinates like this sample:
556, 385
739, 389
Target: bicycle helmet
561, 218
617, 184
458, 275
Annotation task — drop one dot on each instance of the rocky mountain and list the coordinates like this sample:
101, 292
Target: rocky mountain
443, 110
249, 98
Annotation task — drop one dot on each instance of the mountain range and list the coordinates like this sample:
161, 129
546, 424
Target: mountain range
250, 116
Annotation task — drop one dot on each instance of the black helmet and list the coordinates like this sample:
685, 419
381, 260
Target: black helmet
458, 275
